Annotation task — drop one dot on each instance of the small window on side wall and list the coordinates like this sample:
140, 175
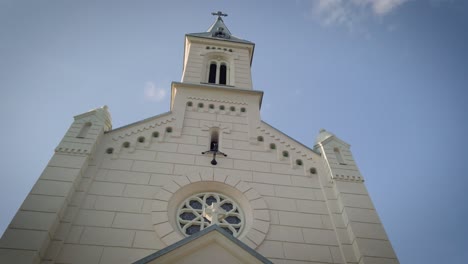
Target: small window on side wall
339, 157
84, 130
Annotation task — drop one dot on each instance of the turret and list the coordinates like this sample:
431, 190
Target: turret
362, 238
40, 225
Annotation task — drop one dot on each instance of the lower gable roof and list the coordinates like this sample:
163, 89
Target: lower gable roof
209, 238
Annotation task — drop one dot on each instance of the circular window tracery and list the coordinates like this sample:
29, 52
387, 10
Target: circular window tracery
205, 209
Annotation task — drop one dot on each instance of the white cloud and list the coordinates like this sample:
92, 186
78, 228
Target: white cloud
152, 93
351, 12
382, 7
331, 11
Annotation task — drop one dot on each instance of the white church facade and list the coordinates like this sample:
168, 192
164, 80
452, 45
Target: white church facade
206, 181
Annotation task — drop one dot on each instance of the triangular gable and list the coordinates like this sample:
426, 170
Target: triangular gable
211, 245
142, 125
286, 140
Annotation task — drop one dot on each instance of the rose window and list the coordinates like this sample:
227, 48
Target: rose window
204, 209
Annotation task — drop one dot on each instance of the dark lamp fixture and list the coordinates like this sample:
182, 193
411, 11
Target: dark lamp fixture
214, 149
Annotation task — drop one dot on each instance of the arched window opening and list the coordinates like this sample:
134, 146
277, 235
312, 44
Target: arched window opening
339, 157
212, 74
223, 74
84, 130
214, 139
217, 71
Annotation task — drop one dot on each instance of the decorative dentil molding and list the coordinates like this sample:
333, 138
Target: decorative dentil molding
350, 178
74, 149
217, 100
143, 127
288, 144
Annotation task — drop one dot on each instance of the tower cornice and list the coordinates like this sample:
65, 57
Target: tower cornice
214, 88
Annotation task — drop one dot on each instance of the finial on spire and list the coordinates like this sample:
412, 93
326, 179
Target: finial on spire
219, 14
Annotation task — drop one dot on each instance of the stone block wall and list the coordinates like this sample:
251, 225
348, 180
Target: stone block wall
361, 235
113, 222
39, 227
116, 206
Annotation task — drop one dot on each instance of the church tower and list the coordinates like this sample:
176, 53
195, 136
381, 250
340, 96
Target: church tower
206, 181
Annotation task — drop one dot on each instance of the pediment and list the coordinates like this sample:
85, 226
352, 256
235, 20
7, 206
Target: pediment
211, 245
276, 136
142, 126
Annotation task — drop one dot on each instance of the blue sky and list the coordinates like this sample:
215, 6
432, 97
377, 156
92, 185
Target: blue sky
387, 76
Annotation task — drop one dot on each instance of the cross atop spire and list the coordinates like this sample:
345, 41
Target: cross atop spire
218, 30
219, 14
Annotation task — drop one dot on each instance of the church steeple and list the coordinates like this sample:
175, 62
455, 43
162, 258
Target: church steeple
217, 57
219, 30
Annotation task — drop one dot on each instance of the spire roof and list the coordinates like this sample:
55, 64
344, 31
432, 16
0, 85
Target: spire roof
218, 30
